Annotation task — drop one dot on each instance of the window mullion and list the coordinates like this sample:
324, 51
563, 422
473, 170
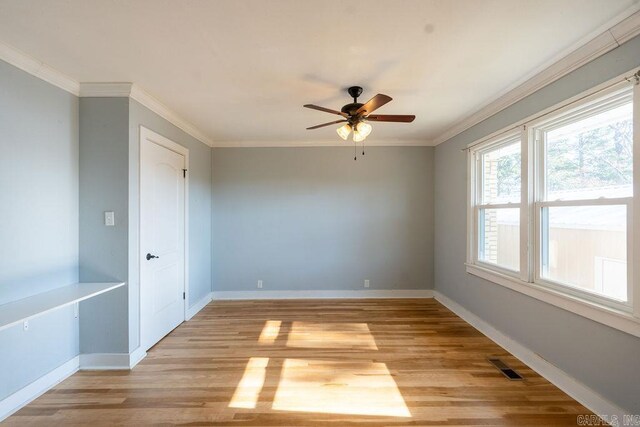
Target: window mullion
500, 206
525, 206
538, 167
586, 202
633, 221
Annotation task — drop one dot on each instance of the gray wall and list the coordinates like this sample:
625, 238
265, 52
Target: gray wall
109, 165
314, 219
39, 226
104, 150
199, 209
603, 358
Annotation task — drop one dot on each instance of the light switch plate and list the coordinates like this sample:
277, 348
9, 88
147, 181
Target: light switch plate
109, 219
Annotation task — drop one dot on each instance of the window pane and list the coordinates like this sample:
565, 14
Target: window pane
586, 247
592, 157
501, 174
499, 241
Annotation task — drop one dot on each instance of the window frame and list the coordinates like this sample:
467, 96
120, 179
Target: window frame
624, 316
588, 107
479, 205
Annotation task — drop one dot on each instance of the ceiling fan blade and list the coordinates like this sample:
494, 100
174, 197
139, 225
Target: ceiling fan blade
399, 118
373, 104
326, 110
326, 124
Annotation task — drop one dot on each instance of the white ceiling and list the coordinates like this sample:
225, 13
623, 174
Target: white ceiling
240, 70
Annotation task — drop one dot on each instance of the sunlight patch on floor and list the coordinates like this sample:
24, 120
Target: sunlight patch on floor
331, 335
270, 332
250, 386
355, 388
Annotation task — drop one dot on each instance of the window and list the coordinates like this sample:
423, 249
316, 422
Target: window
551, 209
585, 189
498, 204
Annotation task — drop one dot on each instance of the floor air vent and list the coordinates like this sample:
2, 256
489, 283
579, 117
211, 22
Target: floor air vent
505, 369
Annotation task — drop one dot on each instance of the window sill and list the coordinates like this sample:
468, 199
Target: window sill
617, 319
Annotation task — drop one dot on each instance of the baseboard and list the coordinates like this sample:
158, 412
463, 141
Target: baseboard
25, 395
580, 392
136, 356
111, 361
330, 294
193, 310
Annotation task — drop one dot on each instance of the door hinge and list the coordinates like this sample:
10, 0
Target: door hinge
184, 173
184, 295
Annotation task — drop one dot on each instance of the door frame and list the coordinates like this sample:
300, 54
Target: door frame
156, 138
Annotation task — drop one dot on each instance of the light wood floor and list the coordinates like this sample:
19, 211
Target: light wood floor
335, 362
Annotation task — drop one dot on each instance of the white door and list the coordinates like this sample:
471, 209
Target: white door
162, 236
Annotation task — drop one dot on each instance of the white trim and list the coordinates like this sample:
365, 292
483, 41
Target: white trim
104, 361
327, 143
153, 104
619, 30
580, 392
603, 41
617, 319
111, 361
29, 393
105, 90
136, 357
634, 252
195, 308
38, 69
148, 134
135, 92
328, 294
602, 89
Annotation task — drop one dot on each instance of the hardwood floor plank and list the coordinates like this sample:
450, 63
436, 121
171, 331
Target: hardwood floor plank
376, 362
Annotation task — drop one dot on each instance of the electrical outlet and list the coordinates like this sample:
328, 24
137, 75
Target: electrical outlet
259, 284
366, 283
25, 325
109, 219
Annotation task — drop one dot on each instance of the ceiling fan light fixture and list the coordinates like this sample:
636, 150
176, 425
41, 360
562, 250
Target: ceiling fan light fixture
361, 131
344, 131
364, 129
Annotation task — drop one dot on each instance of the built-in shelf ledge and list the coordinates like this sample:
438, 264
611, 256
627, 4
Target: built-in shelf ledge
18, 311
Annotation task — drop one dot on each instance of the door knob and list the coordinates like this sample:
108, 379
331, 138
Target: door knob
149, 256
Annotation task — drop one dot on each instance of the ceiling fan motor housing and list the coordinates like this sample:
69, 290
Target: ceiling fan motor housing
356, 112
351, 109
354, 92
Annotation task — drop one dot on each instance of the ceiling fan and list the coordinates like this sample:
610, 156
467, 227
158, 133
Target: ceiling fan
356, 115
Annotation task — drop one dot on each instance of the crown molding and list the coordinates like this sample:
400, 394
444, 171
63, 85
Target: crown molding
153, 104
135, 92
324, 143
105, 90
39, 69
606, 39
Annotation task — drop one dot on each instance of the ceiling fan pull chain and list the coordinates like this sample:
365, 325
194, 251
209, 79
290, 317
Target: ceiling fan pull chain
355, 154
363, 148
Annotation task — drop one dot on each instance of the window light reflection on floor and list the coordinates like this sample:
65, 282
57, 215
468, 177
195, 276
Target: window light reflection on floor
357, 388
250, 386
322, 386
270, 332
331, 335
